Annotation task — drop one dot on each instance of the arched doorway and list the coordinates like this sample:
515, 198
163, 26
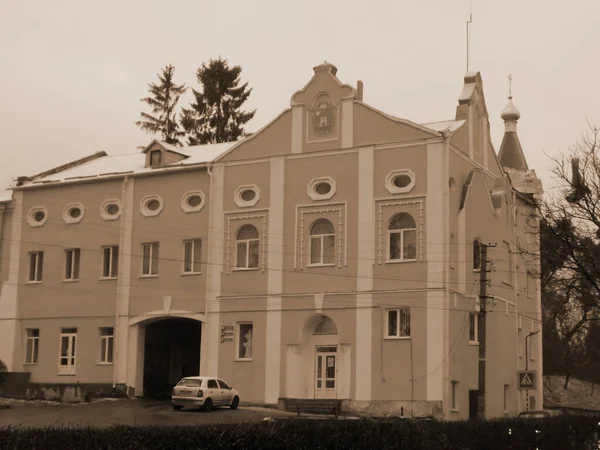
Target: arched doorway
171, 352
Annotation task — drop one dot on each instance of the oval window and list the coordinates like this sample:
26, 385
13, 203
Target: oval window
401, 181
112, 209
323, 188
153, 205
75, 212
194, 201
248, 195
39, 216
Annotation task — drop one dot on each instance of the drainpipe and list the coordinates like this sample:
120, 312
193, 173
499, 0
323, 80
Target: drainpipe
203, 325
118, 339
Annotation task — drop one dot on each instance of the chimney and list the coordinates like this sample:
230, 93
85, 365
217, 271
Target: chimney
359, 88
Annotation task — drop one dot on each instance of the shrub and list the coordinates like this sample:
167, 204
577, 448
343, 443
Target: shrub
562, 433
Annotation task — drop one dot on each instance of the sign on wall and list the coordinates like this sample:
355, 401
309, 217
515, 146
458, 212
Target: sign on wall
227, 332
526, 379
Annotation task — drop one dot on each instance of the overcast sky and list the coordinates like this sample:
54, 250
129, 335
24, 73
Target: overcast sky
73, 72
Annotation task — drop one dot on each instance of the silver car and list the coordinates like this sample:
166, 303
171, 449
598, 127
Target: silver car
204, 393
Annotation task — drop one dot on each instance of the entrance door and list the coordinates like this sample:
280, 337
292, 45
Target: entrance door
473, 404
326, 372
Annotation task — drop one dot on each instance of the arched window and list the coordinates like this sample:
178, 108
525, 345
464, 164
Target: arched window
247, 247
322, 243
403, 238
325, 326
476, 254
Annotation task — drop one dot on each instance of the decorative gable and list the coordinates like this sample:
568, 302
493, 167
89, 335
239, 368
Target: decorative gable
323, 119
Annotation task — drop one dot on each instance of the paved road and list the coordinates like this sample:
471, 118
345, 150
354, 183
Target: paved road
125, 412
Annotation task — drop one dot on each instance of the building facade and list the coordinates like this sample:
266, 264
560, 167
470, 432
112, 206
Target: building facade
335, 253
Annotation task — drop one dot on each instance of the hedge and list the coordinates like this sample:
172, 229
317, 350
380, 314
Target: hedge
562, 433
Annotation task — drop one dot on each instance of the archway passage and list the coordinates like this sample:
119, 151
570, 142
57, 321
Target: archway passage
171, 352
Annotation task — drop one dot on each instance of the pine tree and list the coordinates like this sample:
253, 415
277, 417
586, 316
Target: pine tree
163, 100
215, 115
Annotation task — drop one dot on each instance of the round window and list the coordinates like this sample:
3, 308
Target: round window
248, 195
194, 201
75, 212
153, 205
323, 188
39, 216
401, 181
112, 209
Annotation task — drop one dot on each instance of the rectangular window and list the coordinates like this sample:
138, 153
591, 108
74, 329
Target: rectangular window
473, 327
245, 334
192, 255
150, 258
247, 254
36, 265
155, 158
506, 398
110, 261
107, 339
33, 346
398, 322
66, 362
72, 258
453, 398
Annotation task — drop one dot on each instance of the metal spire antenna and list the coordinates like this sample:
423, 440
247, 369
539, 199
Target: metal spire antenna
510, 80
469, 34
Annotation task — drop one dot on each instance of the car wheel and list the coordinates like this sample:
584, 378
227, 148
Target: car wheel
177, 407
235, 402
208, 404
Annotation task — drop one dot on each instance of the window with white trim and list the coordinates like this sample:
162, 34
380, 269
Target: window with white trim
107, 339
473, 328
247, 247
155, 158
72, 259
245, 333
398, 323
403, 238
453, 396
322, 243
33, 346
36, 266
110, 261
191, 255
150, 252
66, 361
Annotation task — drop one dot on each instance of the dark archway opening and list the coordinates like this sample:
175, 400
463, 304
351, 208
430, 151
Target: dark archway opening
171, 352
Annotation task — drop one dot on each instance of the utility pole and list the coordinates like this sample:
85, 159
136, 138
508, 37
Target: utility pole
481, 329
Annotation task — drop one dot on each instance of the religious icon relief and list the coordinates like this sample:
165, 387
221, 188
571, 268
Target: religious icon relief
323, 119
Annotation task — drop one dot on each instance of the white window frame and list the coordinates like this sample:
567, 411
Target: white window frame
321, 238
392, 188
401, 232
474, 317
454, 406
106, 341
32, 353
246, 243
192, 263
39, 266
75, 268
153, 249
402, 314
69, 368
111, 251
238, 338
240, 202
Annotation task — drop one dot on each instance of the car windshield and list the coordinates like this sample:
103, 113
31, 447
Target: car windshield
190, 383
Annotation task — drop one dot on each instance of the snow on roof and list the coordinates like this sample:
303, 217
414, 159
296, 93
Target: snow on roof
134, 163
449, 125
4, 199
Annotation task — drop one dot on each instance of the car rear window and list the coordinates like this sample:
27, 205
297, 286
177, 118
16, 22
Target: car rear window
190, 383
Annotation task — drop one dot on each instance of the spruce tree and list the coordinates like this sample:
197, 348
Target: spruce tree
215, 115
163, 99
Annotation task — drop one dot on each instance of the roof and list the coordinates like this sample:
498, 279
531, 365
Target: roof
511, 154
444, 125
4, 199
129, 163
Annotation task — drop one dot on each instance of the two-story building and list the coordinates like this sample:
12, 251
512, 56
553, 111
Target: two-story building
335, 253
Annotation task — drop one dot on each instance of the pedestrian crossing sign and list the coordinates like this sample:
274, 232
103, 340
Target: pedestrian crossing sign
527, 379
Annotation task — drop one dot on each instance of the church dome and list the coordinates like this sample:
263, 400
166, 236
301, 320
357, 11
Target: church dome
510, 112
